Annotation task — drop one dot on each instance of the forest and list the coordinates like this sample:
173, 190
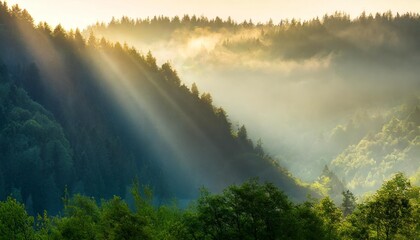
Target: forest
332, 90
198, 128
146, 124
252, 210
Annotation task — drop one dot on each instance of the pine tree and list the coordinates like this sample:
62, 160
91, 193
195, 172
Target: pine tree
349, 203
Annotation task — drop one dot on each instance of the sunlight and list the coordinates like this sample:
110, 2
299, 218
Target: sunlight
95, 134
202, 43
187, 154
140, 109
49, 61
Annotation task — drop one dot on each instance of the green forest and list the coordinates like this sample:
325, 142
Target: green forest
190, 127
248, 211
89, 144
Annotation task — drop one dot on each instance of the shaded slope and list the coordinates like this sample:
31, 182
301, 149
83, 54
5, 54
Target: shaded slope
125, 117
36, 158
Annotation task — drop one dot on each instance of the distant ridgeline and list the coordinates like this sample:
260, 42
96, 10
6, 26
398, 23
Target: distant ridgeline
92, 115
366, 37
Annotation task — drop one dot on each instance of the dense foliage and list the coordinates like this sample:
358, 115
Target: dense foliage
36, 158
107, 114
395, 147
249, 211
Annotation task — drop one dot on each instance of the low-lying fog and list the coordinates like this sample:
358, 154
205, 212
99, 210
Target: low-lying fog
293, 85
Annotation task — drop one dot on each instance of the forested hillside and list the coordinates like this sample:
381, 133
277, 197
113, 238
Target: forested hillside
110, 132
326, 89
379, 155
36, 158
106, 114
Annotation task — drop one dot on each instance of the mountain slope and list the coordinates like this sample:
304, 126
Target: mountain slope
304, 77
36, 158
396, 147
125, 117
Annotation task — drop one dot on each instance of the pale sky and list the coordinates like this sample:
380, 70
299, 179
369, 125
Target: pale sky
80, 13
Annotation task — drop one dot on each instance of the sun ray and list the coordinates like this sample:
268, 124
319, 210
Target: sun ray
136, 105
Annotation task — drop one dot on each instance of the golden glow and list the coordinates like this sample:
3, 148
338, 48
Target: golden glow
196, 45
137, 106
80, 13
47, 56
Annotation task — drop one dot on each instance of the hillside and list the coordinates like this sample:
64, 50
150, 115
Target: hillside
377, 156
36, 158
118, 116
135, 128
304, 77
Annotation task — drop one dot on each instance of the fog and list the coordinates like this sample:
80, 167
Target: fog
293, 84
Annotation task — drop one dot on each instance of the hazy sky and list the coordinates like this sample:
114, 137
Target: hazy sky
79, 13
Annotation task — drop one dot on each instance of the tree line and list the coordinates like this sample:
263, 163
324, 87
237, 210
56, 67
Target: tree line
252, 210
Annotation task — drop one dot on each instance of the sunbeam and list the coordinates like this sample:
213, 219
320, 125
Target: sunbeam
132, 96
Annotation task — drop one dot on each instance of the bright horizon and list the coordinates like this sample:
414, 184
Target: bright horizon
80, 13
